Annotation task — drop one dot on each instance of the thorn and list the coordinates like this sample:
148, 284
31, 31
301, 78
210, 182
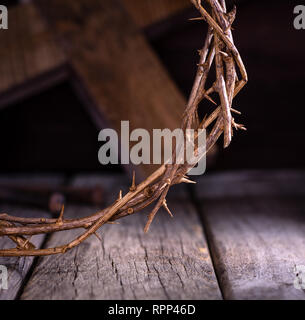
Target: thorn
146, 228
226, 144
167, 209
112, 222
204, 118
209, 98
60, 218
168, 181
227, 140
238, 126
186, 180
235, 111
231, 16
120, 195
97, 235
133, 184
224, 54
196, 19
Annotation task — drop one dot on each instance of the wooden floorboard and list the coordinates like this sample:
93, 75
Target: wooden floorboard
255, 223
172, 261
18, 268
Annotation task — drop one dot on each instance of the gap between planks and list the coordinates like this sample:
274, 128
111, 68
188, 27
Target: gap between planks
255, 223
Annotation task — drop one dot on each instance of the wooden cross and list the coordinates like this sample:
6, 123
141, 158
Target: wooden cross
99, 47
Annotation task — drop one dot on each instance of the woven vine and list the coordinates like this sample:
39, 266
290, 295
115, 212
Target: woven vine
219, 53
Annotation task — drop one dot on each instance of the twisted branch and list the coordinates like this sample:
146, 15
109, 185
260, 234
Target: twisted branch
218, 48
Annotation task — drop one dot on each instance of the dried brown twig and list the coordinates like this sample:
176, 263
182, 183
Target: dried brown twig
218, 48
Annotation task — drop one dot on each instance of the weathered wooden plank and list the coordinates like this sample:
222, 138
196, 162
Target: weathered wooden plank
18, 268
147, 12
255, 224
31, 179
122, 77
170, 262
252, 183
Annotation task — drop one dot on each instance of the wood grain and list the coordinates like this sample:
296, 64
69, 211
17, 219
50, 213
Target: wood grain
171, 262
254, 183
119, 76
255, 223
18, 268
27, 49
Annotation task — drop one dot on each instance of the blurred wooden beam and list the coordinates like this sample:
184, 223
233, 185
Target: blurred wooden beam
118, 75
147, 12
30, 59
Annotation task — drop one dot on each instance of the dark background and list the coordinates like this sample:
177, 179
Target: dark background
41, 134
